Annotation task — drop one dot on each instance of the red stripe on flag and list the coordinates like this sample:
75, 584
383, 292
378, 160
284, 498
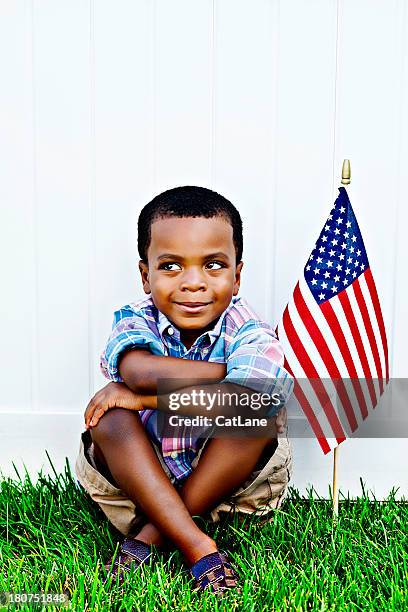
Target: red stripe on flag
308, 410
369, 329
345, 302
313, 376
332, 320
285, 362
321, 345
314, 423
377, 309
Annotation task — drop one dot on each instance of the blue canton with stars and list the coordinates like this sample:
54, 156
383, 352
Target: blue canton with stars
339, 256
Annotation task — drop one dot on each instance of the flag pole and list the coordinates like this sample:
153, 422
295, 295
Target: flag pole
345, 179
335, 485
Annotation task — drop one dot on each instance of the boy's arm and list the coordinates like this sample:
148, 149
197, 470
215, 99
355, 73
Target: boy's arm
255, 366
255, 359
141, 370
206, 400
134, 354
118, 395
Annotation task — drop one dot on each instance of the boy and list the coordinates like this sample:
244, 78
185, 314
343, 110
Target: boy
192, 327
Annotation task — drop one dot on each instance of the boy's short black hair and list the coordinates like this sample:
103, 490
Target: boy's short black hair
188, 202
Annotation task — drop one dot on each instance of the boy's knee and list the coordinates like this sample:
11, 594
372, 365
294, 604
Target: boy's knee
115, 423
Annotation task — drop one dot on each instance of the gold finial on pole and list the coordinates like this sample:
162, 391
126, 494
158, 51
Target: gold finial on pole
345, 172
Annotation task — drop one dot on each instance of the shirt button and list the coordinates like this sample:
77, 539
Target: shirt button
170, 331
174, 455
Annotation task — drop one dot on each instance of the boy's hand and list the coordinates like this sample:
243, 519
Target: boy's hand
113, 395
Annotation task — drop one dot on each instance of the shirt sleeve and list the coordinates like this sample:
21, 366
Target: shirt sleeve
129, 330
255, 360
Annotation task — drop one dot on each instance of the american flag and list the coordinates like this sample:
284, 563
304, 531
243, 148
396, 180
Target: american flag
333, 333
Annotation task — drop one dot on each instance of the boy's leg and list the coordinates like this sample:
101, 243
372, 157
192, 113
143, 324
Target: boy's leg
133, 463
224, 465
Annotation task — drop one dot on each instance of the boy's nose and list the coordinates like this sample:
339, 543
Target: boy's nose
193, 280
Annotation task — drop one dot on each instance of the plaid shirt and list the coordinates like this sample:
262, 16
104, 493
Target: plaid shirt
248, 346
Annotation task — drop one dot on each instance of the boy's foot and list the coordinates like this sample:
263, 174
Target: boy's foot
214, 573
132, 554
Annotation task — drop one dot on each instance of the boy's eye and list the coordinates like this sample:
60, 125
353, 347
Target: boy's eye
168, 266
215, 265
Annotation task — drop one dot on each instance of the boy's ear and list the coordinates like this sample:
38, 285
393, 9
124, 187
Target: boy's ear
144, 273
237, 280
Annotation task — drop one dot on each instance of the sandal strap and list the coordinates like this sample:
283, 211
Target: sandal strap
214, 572
131, 551
137, 549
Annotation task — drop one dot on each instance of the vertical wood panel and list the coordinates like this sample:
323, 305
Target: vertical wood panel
183, 64
306, 108
245, 89
61, 82
367, 130
399, 350
122, 175
306, 105
17, 245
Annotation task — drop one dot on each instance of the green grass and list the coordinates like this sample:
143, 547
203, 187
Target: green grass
53, 538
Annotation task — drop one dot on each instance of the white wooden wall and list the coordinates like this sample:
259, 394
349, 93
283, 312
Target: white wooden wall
104, 104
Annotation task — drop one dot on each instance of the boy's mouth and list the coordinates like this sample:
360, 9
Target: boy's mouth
193, 306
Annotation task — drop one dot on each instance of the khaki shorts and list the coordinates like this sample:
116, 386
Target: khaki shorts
261, 494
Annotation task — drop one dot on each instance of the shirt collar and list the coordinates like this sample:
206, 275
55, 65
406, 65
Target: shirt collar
215, 332
164, 325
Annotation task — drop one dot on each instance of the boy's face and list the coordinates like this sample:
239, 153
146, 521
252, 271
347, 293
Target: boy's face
191, 271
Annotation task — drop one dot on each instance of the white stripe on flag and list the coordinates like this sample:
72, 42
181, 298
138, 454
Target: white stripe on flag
317, 406
324, 327
294, 407
374, 323
361, 328
291, 358
339, 312
333, 346
307, 341
314, 356
338, 309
